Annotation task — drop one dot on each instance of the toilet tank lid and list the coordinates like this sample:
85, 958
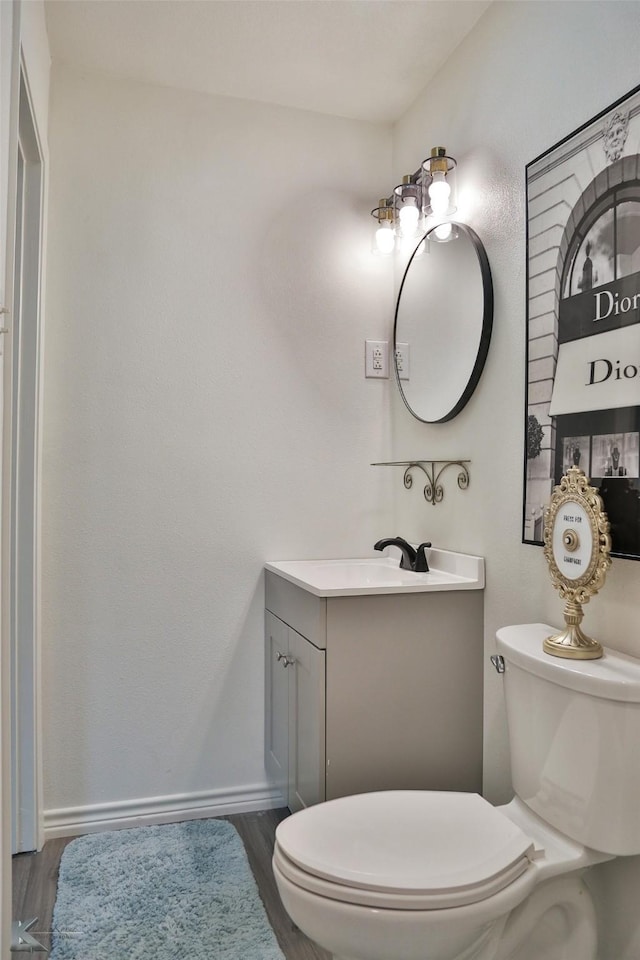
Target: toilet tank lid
615, 676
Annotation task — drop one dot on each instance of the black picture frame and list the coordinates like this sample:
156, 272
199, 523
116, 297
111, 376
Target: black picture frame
582, 391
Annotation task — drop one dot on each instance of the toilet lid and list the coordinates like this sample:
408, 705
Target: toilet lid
454, 847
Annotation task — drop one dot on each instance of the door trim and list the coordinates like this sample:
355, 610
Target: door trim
10, 77
24, 454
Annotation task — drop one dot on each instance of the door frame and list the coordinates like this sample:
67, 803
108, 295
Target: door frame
13, 73
9, 100
24, 445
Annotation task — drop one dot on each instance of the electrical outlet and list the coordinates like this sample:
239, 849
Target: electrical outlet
376, 359
402, 360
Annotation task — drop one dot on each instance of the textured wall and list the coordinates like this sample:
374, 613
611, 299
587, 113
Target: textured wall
210, 289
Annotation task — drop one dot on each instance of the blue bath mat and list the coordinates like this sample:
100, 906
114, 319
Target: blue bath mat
160, 893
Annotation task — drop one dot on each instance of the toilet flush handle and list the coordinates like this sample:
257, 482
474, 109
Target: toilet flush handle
498, 662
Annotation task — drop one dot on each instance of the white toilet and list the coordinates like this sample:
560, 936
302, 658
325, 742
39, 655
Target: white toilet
420, 875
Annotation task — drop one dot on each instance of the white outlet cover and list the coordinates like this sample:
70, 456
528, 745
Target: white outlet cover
376, 359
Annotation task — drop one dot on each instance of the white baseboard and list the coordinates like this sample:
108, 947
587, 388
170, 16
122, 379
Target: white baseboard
72, 821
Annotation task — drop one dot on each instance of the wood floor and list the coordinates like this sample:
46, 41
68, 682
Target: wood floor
35, 877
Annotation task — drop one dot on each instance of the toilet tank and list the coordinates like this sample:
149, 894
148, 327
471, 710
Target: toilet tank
574, 738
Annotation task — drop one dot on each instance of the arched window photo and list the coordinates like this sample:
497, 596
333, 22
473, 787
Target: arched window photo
608, 245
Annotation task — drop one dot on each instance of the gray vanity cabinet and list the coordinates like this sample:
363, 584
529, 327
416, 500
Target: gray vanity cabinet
379, 692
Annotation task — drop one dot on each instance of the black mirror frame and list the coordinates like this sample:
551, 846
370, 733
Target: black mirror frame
487, 324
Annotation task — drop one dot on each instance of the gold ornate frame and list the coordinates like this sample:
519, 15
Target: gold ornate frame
575, 492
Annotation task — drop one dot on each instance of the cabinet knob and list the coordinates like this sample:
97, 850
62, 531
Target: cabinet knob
285, 659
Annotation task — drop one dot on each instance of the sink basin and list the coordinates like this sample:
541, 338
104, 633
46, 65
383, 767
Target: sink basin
372, 575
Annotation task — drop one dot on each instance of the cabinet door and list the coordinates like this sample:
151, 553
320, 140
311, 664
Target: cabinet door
277, 703
306, 723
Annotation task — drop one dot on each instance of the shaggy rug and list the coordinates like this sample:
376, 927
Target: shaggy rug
163, 892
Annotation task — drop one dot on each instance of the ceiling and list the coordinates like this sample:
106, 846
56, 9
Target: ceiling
363, 59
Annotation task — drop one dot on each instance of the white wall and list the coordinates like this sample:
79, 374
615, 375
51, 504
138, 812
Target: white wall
210, 290
528, 75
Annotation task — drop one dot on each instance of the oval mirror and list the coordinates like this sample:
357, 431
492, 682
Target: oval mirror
445, 314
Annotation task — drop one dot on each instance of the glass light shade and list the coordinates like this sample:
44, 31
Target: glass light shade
439, 195
407, 200
384, 237
409, 217
439, 184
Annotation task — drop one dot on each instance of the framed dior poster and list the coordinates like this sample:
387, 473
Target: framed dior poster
583, 320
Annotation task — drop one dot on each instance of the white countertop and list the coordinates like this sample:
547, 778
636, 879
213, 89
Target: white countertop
378, 575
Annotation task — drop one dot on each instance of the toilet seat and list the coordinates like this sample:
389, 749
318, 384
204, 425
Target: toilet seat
405, 850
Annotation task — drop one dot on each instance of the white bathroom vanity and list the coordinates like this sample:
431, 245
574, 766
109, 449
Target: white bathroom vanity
373, 676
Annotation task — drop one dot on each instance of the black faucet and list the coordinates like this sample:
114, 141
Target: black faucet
411, 559
408, 558
421, 565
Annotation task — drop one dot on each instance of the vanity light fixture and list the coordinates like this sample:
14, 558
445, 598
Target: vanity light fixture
429, 192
